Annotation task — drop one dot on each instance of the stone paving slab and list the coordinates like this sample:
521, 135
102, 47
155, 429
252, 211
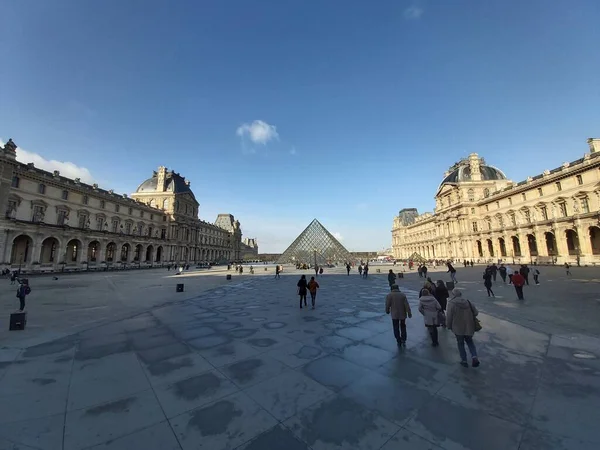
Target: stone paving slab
242, 367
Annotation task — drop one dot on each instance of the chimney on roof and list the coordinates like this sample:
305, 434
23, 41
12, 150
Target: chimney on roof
594, 144
475, 164
161, 184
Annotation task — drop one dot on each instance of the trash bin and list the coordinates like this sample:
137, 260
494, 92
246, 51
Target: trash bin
179, 287
228, 277
400, 275
265, 269
18, 321
378, 270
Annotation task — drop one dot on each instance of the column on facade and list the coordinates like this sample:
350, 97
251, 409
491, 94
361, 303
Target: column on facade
585, 245
561, 241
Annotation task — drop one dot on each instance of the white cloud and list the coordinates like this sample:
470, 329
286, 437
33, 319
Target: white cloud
259, 132
413, 13
338, 236
66, 168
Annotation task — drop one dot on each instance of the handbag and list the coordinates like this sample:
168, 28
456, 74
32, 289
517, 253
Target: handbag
476, 323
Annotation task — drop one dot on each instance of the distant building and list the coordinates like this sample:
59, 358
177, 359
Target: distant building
52, 222
249, 249
480, 214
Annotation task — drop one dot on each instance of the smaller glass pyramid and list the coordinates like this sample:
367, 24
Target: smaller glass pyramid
315, 239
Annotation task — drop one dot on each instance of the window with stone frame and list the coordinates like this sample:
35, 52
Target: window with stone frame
150, 231
544, 212
130, 211
562, 206
128, 228
486, 192
558, 186
471, 195
38, 213
102, 204
142, 214
41, 188
513, 219
85, 200
140, 228
15, 182
500, 221
585, 205
61, 217
83, 220
579, 180
163, 233
11, 208
527, 216
99, 223
114, 225
524, 196
540, 192
510, 200
64, 195
117, 207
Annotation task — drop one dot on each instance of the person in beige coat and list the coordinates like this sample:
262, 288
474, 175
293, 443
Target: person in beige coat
429, 307
397, 305
460, 318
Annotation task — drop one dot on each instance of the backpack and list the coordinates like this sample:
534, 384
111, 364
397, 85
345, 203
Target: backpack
27, 290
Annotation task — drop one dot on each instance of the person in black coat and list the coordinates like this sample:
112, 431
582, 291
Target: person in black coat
487, 281
441, 294
302, 289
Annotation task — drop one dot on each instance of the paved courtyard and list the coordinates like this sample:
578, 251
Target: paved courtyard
239, 366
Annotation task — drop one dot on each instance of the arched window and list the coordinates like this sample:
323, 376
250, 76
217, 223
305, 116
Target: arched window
166, 204
153, 203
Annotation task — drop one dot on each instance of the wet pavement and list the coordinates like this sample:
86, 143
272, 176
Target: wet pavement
242, 367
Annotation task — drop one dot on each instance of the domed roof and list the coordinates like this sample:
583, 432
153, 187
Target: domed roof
463, 173
173, 183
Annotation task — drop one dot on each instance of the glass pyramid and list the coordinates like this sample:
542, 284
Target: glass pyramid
315, 239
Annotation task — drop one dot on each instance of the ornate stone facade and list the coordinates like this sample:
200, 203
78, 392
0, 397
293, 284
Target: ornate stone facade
55, 223
553, 217
249, 250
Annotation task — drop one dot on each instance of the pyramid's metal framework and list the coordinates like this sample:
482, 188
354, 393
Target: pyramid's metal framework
315, 238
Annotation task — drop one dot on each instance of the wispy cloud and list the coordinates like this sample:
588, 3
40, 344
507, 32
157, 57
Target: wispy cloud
66, 168
258, 132
413, 12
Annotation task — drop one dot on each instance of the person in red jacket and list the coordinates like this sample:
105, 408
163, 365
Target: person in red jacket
519, 281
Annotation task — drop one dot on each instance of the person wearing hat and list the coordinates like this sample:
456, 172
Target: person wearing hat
397, 305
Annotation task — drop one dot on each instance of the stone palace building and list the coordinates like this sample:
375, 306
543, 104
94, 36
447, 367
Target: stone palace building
56, 223
479, 214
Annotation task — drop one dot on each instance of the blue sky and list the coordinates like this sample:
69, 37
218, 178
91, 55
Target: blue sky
281, 111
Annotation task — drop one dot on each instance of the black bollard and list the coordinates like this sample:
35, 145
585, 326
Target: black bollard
179, 287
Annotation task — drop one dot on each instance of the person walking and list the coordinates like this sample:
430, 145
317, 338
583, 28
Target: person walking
23, 291
510, 274
494, 271
420, 271
302, 288
348, 268
524, 270
536, 275
502, 271
460, 319
312, 288
568, 269
424, 270
321, 270
277, 271
366, 270
441, 295
487, 282
391, 278
13, 277
519, 281
452, 272
429, 308
360, 269
316, 271
397, 305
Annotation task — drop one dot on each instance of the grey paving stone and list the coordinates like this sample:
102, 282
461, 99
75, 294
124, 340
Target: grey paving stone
376, 326
193, 392
355, 333
108, 421
224, 424
44, 433
296, 354
390, 397
177, 368
8, 445
253, 370
404, 439
455, 427
163, 352
277, 438
341, 423
567, 400
228, 353
156, 437
330, 343
33, 405
418, 372
537, 440
287, 394
504, 385
209, 341
367, 355
334, 372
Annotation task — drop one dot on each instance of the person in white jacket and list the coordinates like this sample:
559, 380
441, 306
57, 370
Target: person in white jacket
510, 273
430, 307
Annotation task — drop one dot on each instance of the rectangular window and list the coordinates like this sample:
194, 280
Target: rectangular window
85, 200
141, 213
540, 192
585, 205
151, 216
38, 213
65, 195
128, 228
487, 207
523, 196
163, 233
558, 186
117, 207
83, 221
115, 225
563, 209
544, 212
489, 224
579, 180
15, 182
102, 204
99, 223
497, 205
61, 219
475, 226
12, 206
472, 210
41, 189
527, 216
164, 218
130, 211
